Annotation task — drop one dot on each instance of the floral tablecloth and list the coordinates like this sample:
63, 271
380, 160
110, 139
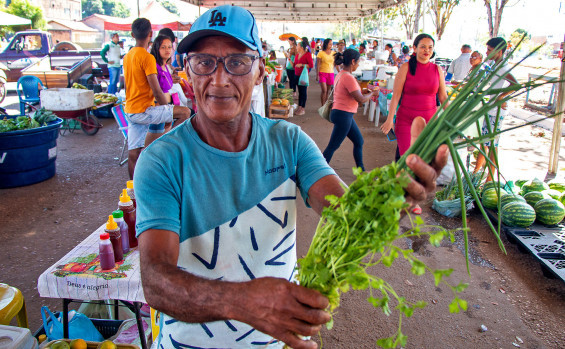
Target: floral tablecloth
78, 275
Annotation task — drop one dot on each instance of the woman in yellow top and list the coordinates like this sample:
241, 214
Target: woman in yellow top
325, 69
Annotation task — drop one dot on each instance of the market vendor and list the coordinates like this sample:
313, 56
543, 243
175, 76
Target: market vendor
216, 204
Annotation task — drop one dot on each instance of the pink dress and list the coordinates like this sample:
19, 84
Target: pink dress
418, 99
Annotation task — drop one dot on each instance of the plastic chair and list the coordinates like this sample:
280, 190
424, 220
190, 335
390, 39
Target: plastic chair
120, 116
12, 304
30, 91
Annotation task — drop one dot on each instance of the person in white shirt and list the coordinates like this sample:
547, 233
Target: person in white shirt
460, 66
503, 79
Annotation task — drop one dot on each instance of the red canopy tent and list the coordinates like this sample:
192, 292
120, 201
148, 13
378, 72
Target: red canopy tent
158, 16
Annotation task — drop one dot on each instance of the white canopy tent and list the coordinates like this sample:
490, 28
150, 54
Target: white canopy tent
9, 19
305, 11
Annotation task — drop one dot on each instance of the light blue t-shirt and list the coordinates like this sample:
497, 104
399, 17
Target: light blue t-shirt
235, 213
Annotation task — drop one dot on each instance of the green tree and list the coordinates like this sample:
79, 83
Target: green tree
441, 11
113, 8
23, 8
495, 18
170, 6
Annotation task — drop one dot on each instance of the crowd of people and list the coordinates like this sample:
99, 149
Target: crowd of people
209, 182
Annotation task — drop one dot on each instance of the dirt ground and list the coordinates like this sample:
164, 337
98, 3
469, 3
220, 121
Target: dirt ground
507, 293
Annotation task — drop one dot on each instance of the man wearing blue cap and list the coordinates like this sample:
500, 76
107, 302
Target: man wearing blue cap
216, 204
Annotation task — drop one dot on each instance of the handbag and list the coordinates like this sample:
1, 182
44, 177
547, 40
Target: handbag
326, 109
80, 326
303, 80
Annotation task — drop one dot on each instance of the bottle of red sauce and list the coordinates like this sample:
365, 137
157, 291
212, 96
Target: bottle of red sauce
126, 206
106, 254
131, 193
115, 238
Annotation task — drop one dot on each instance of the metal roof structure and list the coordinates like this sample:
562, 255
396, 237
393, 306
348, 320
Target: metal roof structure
304, 10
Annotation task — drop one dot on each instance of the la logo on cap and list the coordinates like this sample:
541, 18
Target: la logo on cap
216, 19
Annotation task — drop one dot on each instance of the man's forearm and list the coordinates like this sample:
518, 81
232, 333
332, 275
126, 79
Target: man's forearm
187, 297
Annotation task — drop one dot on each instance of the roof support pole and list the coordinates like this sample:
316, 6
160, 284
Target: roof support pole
558, 122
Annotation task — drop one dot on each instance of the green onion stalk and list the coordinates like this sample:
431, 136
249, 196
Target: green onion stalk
358, 230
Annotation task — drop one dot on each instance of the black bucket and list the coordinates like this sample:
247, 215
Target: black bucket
28, 156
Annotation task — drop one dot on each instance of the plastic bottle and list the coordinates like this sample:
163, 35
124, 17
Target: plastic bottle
126, 205
106, 255
115, 238
119, 219
131, 193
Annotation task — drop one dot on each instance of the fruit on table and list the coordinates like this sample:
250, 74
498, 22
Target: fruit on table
552, 193
493, 184
506, 198
520, 182
533, 197
107, 344
276, 101
518, 214
285, 102
549, 211
79, 86
78, 343
490, 198
534, 185
557, 185
102, 98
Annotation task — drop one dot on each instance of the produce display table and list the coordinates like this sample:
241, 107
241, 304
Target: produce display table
78, 277
545, 243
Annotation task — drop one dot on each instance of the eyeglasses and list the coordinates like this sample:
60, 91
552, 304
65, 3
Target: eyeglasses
236, 64
475, 57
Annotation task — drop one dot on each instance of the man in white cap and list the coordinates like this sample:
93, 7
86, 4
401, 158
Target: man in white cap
216, 204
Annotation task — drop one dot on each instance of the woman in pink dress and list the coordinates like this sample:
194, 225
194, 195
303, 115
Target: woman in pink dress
418, 82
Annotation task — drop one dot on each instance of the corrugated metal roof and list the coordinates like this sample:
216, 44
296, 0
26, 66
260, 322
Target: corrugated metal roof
305, 11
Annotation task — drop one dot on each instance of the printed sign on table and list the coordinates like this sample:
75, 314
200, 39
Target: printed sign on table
78, 275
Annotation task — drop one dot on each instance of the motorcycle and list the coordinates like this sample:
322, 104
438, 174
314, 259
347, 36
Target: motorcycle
3, 81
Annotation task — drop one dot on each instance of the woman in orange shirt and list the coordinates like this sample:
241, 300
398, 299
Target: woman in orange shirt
347, 96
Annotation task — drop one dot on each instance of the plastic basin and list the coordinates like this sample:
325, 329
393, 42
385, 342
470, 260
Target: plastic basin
28, 156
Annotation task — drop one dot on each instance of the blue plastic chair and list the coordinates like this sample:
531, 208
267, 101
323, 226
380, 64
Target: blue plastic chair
29, 93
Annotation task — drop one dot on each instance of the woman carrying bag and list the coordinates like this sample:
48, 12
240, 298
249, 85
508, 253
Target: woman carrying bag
346, 98
302, 62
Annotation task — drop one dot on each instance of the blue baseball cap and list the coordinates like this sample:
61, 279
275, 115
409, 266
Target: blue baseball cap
225, 20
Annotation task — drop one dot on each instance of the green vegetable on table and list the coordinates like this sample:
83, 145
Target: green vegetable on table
359, 229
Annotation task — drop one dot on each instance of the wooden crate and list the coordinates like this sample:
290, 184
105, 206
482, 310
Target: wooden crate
279, 111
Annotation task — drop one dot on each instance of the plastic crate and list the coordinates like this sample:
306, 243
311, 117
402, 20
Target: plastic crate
107, 328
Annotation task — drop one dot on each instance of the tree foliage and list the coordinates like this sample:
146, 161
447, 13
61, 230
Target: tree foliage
170, 6
113, 8
410, 13
494, 19
441, 11
23, 8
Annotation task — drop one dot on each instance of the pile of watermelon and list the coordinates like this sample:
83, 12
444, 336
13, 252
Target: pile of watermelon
526, 201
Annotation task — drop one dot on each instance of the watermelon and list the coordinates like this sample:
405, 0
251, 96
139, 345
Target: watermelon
493, 184
555, 194
506, 198
549, 211
562, 198
557, 185
520, 182
518, 214
490, 198
534, 185
534, 196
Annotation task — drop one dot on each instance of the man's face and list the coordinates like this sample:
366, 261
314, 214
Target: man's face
497, 56
354, 41
221, 96
115, 38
